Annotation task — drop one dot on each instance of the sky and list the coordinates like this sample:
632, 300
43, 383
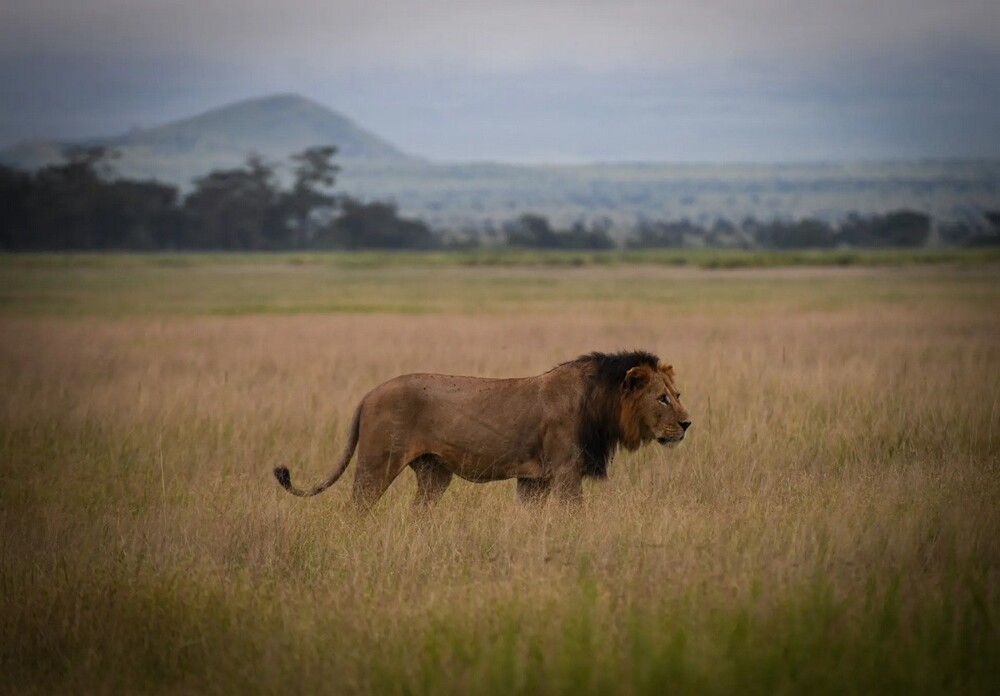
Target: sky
529, 81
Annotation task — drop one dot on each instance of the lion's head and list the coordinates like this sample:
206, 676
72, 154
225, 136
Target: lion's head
631, 400
651, 407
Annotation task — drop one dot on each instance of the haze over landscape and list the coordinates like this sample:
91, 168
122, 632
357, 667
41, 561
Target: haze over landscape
552, 82
467, 115
457, 195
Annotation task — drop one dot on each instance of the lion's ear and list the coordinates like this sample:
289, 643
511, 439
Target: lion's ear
636, 378
668, 370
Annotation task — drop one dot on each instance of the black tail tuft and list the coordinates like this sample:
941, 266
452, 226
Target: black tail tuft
284, 478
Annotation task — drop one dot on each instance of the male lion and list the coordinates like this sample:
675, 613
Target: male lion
548, 431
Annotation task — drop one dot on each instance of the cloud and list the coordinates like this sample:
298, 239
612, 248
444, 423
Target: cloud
520, 80
515, 35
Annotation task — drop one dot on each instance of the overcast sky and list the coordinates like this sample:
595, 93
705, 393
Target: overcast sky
717, 80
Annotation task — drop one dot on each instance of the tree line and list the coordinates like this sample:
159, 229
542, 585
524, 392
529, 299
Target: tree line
900, 228
79, 205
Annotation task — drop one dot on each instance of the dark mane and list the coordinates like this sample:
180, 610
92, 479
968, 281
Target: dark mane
600, 427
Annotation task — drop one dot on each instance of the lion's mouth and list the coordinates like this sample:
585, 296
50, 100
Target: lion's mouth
664, 440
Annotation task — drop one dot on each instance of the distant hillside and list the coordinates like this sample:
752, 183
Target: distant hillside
274, 126
461, 195
486, 194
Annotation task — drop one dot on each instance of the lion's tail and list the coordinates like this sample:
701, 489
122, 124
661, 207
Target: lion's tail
285, 479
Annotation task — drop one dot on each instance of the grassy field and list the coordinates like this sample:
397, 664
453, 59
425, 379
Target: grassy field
830, 525
514, 257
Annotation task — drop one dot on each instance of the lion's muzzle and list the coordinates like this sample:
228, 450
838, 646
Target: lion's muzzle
674, 439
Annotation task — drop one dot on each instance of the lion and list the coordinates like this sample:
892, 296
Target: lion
549, 431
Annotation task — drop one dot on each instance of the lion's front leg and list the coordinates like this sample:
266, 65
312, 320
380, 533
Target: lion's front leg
565, 464
532, 491
568, 484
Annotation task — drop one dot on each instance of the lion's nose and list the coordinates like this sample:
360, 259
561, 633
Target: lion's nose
686, 424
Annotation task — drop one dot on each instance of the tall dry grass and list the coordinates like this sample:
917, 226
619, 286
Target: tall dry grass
829, 525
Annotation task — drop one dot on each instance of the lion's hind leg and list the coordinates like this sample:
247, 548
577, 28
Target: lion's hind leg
433, 478
374, 474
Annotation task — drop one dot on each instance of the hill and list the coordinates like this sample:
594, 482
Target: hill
274, 127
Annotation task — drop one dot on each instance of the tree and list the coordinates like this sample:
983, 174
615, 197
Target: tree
580, 236
897, 228
236, 208
376, 225
532, 231
65, 201
904, 228
141, 215
808, 233
987, 237
15, 213
651, 234
315, 174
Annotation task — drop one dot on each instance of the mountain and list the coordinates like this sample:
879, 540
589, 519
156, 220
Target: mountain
274, 127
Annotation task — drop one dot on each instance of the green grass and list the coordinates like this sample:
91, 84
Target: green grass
168, 632
696, 258
250, 284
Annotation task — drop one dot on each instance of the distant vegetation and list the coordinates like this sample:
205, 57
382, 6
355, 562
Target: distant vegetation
473, 202
78, 205
455, 196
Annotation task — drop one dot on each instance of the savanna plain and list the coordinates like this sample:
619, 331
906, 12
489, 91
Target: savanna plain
830, 524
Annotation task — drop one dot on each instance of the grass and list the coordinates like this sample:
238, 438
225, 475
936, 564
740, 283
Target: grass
513, 257
830, 525
200, 285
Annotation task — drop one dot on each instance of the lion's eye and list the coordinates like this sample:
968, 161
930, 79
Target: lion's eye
663, 400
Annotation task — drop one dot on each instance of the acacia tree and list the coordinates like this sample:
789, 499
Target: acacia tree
315, 174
